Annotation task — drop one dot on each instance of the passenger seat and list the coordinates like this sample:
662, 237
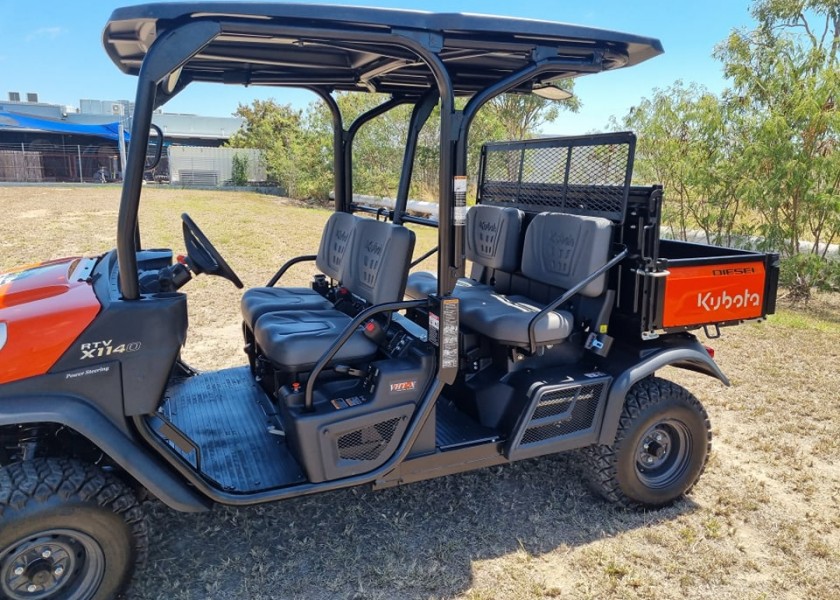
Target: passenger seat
560, 250
493, 242
335, 240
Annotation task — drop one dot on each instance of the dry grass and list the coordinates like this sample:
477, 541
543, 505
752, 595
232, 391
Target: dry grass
764, 522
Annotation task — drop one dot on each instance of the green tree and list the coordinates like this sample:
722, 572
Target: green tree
277, 130
786, 78
690, 141
520, 116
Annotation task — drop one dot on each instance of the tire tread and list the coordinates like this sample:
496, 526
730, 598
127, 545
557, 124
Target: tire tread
599, 461
36, 481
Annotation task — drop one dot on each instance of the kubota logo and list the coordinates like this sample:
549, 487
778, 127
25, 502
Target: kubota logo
725, 301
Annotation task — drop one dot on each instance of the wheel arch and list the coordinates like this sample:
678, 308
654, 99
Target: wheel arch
691, 356
135, 458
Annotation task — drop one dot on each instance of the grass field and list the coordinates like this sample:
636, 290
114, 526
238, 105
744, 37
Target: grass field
763, 522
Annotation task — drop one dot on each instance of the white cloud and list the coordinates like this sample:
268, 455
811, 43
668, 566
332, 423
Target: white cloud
49, 33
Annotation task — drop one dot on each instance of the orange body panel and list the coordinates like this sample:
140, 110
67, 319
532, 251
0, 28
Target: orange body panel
43, 309
713, 294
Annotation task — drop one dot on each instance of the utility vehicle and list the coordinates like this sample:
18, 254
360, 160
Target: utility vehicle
370, 376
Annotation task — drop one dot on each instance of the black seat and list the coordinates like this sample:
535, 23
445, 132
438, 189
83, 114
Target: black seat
335, 240
492, 242
560, 250
374, 271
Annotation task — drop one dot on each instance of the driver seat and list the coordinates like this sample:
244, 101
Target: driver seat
374, 272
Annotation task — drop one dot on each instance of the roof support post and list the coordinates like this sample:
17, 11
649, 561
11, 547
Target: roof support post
350, 137
342, 201
181, 43
419, 116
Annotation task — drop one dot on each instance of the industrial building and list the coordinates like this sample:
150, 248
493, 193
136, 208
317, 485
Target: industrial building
42, 142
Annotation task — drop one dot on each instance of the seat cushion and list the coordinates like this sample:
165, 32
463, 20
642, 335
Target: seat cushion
296, 340
258, 301
506, 319
423, 283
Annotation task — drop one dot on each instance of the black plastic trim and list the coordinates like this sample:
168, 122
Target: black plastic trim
689, 355
126, 452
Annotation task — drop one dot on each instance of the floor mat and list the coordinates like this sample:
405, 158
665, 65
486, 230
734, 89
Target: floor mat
221, 413
454, 428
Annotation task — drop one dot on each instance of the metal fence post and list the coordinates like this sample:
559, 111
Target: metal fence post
79, 150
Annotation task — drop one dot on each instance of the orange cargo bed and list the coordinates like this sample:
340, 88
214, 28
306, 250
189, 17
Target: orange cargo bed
703, 285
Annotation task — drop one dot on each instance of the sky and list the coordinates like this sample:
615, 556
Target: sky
54, 48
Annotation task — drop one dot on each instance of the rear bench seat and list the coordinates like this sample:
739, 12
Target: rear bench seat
493, 243
374, 270
560, 250
335, 240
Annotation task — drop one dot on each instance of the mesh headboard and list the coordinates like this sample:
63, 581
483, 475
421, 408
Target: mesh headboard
583, 175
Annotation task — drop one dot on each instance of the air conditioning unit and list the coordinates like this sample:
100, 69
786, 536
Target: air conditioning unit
116, 108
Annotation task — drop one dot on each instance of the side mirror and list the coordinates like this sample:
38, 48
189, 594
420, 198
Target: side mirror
155, 148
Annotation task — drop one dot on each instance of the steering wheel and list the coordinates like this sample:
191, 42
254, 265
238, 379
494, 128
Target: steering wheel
202, 257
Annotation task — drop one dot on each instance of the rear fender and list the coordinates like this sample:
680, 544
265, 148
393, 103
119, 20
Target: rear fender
691, 355
136, 459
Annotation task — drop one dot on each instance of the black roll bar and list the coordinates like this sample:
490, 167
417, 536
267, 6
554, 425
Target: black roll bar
422, 110
532, 325
346, 334
350, 137
189, 39
342, 203
184, 42
422, 257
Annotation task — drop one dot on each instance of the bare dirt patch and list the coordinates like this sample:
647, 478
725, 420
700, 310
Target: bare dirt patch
763, 521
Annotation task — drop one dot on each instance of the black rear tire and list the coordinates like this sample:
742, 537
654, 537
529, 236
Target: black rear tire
68, 530
660, 450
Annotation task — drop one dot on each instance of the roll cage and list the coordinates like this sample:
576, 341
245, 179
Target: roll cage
419, 58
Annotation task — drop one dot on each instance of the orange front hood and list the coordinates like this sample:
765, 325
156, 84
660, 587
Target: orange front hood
43, 309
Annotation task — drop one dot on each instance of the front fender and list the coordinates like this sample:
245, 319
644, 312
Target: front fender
689, 354
137, 459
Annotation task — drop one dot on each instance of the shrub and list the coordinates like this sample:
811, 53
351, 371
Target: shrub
803, 272
239, 170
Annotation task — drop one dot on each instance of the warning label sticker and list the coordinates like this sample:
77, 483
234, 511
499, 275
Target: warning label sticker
434, 329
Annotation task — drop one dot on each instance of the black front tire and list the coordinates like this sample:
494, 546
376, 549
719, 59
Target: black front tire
660, 450
68, 530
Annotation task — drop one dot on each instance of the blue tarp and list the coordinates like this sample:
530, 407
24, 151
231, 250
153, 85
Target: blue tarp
10, 121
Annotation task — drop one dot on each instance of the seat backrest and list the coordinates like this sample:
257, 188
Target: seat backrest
562, 249
377, 265
335, 242
494, 236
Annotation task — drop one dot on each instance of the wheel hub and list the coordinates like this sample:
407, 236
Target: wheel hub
55, 564
663, 453
655, 447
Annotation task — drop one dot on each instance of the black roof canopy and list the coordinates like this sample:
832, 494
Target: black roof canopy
359, 49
